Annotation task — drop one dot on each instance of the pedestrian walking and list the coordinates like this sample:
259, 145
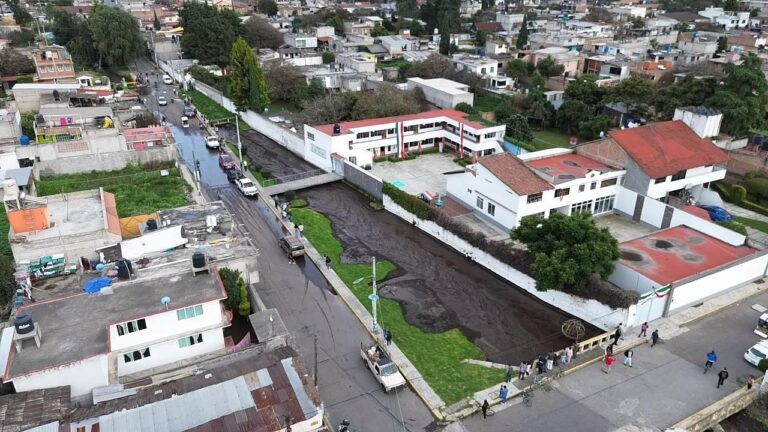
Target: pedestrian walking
568, 355
750, 383
711, 360
328, 262
503, 393
617, 335
643, 329
654, 338
555, 359
484, 408
721, 377
528, 367
628, 357
549, 362
521, 375
609, 361
541, 363
509, 373
564, 357
388, 337
609, 349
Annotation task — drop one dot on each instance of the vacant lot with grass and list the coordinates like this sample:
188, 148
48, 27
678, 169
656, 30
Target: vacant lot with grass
438, 356
137, 189
752, 223
550, 138
212, 110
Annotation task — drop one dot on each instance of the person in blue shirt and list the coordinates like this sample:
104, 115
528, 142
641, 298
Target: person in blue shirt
711, 359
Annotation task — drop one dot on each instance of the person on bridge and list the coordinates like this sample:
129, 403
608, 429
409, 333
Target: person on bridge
721, 377
654, 338
711, 360
643, 329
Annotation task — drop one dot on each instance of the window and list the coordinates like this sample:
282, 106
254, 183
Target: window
480, 202
581, 188
390, 131
491, 209
490, 135
136, 355
604, 204
562, 192
679, 175
190, 340
131, 326
532, 198
412, 128
362, 135
593, 186
608, 182
317, 150
311, 136
189, 312
660, 180
582, 207
427, 125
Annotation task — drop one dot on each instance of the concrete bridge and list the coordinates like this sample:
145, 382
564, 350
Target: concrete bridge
299, 181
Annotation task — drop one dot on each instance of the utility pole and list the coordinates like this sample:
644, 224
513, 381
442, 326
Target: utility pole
374, 297
315, 360
239, 145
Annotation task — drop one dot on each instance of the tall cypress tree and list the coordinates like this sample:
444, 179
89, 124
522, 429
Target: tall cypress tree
522, 38
247, 87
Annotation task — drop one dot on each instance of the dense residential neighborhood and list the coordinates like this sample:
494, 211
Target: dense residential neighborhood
417, 215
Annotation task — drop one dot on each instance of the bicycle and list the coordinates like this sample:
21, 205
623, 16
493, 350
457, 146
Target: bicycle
527, 397
540, 382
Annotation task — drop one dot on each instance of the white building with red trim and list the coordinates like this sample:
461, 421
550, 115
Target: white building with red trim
361, 141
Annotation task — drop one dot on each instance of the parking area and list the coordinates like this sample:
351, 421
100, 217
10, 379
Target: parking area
425, 173
623, 229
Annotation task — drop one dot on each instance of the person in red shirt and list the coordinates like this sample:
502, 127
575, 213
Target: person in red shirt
610, 359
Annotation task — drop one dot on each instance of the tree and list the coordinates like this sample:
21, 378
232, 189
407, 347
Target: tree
732, 6
465, 108
230, 279
329, 57
407, 9
568, 250
448, 21
571, 113
637, 22
308, 91
518, 68
434, 66
590, 129
330, 108
386, 101
636, 92
283, 79
7, 280
247, 87
20, 14
21, 38
378, 30
156, 22
115, 36
549, 68
584, 88
522, 36
742, 97
722, 43
598, 14
261, 34
689, 91
480, 37
64, 25
517, 127
209, 33
13, 63
538, 82
505, 109
538, 108
268, 7
244, 307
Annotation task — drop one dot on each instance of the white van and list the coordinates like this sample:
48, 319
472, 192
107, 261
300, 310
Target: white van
758, 352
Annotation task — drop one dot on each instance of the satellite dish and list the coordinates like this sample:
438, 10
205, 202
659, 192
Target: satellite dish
165, 301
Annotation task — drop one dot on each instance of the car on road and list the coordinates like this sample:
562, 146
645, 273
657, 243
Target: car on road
167, 79
381, 365
233, 175
717, 214
226, 162
759, 351
162, 101
246, 187
190, 111
292, 246
212, 142
762, 326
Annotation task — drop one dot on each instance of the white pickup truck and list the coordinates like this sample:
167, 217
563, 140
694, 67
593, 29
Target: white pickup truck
246, 187
383, 368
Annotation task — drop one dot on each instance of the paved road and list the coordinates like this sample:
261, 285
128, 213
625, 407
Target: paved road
308, 308
665, 385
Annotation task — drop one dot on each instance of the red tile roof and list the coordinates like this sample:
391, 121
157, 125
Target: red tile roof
569, 165
662, 149
491, 26
513, 173
450, 113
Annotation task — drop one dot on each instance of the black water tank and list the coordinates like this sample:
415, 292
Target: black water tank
24, 324
336, 129
198, 260
124, 269
151, 224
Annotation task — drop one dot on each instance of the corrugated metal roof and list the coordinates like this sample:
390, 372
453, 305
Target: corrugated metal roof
50, 427
182, 412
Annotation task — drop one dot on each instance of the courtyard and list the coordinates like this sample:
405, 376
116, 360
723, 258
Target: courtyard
415, 176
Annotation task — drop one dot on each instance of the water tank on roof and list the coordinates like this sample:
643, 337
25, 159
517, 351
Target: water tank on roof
336, 129
24, 324
198, 260
124, 269
24, 140
151, 224
11, 190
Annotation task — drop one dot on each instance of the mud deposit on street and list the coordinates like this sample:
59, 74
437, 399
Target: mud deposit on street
438, 287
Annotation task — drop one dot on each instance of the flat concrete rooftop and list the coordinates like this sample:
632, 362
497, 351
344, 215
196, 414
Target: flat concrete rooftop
75, 328
676, 253
425, 173
72, 214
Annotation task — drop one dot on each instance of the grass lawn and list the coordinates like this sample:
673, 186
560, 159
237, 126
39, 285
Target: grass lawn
550, 138
212, 110
396, 62
138, 189
486, 103
281, 107
752, 223
438, 356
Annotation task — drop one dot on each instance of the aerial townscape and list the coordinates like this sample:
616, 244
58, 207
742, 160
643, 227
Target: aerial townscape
374, 216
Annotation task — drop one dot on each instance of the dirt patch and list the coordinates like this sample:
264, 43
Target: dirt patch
439, 288
278, 160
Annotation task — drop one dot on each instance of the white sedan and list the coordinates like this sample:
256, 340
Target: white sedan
162, 101
167, 79
212, 142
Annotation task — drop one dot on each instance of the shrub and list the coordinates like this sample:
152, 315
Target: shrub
465, 108
328, 57
231, 280
430, 150
757, 208
762, 365
410, 203
380, 159
394, 158
758, 187
298, 203
733, 226
738, 193
606, 293
410, 156
244, 307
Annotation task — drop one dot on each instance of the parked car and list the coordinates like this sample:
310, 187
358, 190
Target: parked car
212, 142
383, 368
759, 351
190, 111
291, 246
226, 162
246, 186
717, 214
162, 101
233, 175
167, 79
762, 326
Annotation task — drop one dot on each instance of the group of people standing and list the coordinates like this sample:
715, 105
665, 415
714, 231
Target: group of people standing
543, 364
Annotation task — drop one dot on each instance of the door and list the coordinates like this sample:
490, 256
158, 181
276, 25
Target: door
638, 208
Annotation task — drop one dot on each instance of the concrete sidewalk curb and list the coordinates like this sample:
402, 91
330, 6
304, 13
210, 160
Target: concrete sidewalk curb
738, 296
718, 411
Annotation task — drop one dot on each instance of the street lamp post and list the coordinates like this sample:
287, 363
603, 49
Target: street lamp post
373, 297
239, 145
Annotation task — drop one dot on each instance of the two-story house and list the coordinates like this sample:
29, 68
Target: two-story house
53, 63
361, 141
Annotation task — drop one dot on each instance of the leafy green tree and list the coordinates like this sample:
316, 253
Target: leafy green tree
689, 91
571, 113
7, 280
506, 109
379, 30
21, 38
465, 108
448, 21
722, 43
518, 68
634, 91
732, 5
407, 9
283, 79
584, 88
230, 279
480, 37
518, 128
308, 91
28, 124
522, 36
568, 250
590, 129
247, 87
328, 57
209, 33
244, 307
268, 7
260, 34
549, 68
64, 25
538, 82
637, 22
156, 22
115, 36
742, 97
12, 62
538, 108
20, 14
434, 66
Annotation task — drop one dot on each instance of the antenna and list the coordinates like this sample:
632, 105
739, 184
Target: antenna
165, 301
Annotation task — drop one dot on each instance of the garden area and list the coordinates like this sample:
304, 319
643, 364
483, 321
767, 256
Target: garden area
214, 112
138, 189
439, 357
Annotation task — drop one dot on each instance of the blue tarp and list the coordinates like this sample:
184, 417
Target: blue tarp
95, 285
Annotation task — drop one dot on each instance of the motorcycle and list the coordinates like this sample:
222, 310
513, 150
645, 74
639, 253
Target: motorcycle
344, 426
